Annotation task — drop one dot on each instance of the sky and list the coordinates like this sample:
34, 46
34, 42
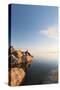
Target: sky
34, 28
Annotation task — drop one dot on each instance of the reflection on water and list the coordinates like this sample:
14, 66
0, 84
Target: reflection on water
42, 72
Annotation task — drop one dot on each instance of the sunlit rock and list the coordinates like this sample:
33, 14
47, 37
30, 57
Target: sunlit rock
18, 64
16, 76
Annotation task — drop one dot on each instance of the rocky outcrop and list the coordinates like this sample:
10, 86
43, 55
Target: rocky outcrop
16, 76
19, 62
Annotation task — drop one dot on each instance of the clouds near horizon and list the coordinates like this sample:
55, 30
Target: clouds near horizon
50, 32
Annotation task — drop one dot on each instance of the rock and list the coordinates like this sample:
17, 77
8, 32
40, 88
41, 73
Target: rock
11, 49
19, 53
29, 59
16, 76
18, 64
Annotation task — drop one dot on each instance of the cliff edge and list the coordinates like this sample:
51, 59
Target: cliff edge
19, 62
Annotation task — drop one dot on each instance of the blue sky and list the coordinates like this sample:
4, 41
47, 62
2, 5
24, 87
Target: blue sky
34, 27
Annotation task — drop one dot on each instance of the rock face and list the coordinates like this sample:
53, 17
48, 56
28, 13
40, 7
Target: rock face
16, 76
18, 64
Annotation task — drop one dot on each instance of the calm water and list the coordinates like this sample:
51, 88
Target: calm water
40, 72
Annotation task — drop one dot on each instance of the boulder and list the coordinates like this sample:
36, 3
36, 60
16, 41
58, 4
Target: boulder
16, 76
18, 65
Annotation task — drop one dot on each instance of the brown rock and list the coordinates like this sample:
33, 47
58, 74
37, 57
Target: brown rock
29, 59
18, 64
19, 53
16, 76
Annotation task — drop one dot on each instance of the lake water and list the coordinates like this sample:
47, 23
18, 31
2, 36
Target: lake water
42, 72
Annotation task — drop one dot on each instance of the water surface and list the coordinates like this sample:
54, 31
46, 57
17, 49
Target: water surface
42, 72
